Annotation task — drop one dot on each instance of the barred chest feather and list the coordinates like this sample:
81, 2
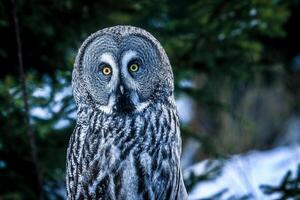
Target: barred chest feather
129, 156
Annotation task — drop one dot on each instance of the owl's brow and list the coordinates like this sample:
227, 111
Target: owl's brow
109, 59
127, 57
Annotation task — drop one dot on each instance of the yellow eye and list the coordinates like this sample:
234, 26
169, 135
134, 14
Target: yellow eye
134, 67
106, 70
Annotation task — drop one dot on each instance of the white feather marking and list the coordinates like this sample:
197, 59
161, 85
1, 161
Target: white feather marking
141, 106
128, 56
109, 59
108, 109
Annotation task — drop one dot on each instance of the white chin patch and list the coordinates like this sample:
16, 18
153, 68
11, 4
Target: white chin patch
108, 109
140, 107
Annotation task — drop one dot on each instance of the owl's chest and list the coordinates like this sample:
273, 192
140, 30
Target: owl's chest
131, 172
126, 146
130, 159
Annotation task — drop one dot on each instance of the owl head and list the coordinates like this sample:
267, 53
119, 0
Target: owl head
122, 69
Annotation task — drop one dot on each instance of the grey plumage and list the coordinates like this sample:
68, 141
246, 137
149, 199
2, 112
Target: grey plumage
126, 143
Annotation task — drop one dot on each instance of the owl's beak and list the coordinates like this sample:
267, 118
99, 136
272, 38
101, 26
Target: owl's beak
122, 89
124, 102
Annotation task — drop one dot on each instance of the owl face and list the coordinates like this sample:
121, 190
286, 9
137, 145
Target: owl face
124, 73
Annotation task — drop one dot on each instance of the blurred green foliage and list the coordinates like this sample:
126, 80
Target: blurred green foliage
226, 41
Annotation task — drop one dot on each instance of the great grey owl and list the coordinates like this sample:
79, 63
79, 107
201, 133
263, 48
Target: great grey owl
126, 144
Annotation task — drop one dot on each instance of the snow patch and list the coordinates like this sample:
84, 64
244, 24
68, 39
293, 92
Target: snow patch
243, 174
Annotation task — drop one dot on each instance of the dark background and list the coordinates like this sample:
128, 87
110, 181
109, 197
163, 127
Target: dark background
237, 62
